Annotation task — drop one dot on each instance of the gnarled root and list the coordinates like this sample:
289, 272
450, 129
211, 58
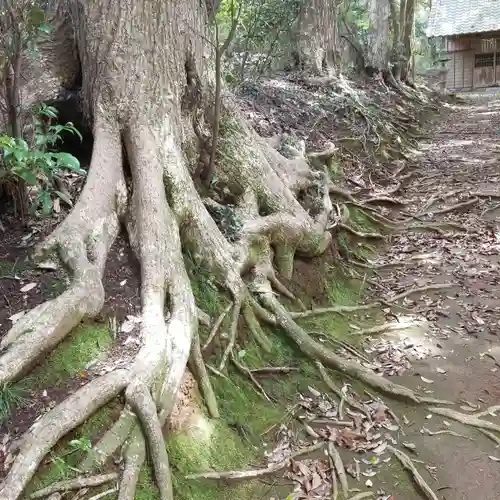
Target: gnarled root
82, 243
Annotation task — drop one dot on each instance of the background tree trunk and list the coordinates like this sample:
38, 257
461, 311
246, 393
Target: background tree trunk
378, 49
407, 35
315, 36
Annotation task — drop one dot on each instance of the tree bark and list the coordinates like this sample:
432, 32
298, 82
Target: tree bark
315, 36
378, 49
407, 36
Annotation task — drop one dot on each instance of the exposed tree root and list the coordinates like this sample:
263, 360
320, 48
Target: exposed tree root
422, 289
492, 436
339, 468
199, 370
75, 484
463, 418
408, 465
334, 309
82, 241
139, 397
256, 473
317, 352
453, 208
55, 424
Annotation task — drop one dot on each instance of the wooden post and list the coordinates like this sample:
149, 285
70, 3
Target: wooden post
494, 61
454, 72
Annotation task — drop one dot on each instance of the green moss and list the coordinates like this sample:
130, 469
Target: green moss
225, 450
146, 486
84, 344
205, 290
360, 221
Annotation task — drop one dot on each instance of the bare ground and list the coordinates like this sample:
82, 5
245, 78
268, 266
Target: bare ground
464, 360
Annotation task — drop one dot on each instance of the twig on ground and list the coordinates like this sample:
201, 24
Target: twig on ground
452, 208
75, 484
232, 333
334, 423
407, 463
338, 391
445, 431
435, 286
246, 371
361, 496
386, 327
103, 494
216, 326
235, 475
274, 369
215, 371
359, 234
345, 345
333, 478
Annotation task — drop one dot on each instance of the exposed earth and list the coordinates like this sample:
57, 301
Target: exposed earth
442, 342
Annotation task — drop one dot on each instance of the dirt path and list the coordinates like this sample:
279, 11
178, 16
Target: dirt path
459, 339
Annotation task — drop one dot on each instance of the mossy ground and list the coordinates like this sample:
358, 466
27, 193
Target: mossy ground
248, 420
83, 345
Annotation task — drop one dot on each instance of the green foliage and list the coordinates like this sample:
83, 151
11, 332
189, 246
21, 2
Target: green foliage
23, 28
36, 165
11, 396
263, 34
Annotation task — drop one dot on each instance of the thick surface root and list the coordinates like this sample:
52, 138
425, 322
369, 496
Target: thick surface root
82, 243
317, 352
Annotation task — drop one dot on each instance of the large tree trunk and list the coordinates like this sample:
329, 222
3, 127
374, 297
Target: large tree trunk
378, 49
315, 37
149, 93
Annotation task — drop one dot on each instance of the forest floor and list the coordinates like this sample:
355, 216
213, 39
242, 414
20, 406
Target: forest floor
443, 343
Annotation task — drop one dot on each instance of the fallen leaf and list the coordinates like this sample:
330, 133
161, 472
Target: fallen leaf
495, 459
426, 380
440, 370
28, 287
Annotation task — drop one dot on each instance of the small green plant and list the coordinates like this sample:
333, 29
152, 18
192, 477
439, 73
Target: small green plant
10, 397
63, 468
36, 166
